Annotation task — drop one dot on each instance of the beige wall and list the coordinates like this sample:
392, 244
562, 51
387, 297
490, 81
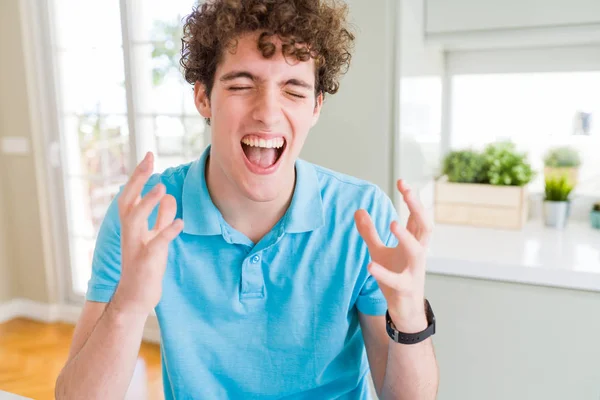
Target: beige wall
6, 281
6, 277
21, 208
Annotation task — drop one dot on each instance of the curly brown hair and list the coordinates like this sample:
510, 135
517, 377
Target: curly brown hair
306, 28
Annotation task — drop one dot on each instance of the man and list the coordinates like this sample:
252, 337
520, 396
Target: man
261, 282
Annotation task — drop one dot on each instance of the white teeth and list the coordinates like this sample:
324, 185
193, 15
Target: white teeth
275, 143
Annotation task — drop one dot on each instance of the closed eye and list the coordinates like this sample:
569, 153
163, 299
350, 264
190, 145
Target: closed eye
234, 88
296, 95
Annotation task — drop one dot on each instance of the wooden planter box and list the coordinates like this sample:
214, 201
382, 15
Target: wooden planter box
504, 207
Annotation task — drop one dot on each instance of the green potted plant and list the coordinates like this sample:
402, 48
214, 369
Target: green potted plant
506, 166
464, 166
595, 216
484, 188
556, 201
562, 160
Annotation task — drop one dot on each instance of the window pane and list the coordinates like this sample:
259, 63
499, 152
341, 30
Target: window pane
82, 252
92, 81
174, 140
169, 136
156, 51
150, 14
88, 201
536, 111
420, 128
159, 79
194, 136
79, 203
96, 153
87, 23
96, 146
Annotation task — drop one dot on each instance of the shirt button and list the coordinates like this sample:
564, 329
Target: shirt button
255, 259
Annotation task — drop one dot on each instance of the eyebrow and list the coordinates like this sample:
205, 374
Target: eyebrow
237, 74
245, 74
300, 83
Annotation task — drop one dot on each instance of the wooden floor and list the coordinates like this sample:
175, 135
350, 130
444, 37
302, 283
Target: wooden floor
33, 353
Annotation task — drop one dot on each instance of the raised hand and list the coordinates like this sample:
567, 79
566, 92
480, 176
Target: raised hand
400, 270
143, 250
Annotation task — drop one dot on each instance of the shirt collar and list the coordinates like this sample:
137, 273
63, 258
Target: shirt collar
306, 209
202, 217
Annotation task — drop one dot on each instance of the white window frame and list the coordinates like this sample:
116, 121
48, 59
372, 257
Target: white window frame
520, 60
501, 61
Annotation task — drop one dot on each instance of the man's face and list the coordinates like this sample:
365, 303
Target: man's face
261, 111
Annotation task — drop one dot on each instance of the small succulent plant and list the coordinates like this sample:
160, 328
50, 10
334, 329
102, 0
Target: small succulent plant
558, 189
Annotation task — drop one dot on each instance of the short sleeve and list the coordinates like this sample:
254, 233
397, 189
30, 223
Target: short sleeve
106, 262
370, 299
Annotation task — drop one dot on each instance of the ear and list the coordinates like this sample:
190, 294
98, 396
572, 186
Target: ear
201, 100
317, 110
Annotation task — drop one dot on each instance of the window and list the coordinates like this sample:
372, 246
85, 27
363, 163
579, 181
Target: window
420, 128
537, 111
108, 122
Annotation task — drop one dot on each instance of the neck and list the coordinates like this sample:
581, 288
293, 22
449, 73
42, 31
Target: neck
252, 218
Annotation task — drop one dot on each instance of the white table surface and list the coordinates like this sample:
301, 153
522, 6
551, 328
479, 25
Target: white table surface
537, 255
10, 396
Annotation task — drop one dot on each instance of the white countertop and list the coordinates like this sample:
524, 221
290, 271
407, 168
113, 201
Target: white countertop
535, 255
10, 396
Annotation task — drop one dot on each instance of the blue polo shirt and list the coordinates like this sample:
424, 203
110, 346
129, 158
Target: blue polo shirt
275, 319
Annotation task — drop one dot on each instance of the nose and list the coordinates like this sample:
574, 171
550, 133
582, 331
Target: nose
267, 109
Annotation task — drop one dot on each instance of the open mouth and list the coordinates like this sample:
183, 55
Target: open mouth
263, 153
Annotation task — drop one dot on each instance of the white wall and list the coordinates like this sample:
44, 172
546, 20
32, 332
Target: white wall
421, 69
354, 132
416, 57
499, 341
543, 59
475, 15
495, 340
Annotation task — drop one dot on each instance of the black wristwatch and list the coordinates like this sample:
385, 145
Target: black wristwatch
411, 338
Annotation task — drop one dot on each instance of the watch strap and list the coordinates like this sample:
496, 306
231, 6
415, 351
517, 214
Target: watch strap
411, 338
